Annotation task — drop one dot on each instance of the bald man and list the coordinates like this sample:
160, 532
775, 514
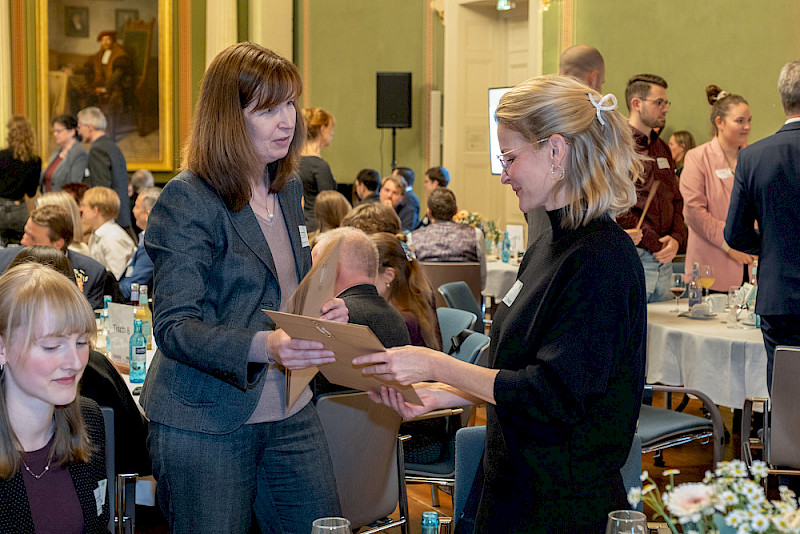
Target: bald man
585, 63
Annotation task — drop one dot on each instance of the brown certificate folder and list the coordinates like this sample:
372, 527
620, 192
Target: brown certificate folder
346, 341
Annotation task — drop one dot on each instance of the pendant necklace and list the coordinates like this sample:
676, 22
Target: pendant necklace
40, 475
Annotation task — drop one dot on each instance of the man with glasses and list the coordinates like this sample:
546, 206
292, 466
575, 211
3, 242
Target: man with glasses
662, 228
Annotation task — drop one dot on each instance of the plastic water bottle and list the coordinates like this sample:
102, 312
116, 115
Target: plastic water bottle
138, 353
695, 293
430, 522
506, 252
106, 301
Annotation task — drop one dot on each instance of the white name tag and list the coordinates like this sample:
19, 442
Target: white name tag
303, 235
663, 163
724, 173
511, 296
100, 495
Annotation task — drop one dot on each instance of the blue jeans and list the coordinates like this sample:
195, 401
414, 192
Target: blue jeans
657, 276
280, 471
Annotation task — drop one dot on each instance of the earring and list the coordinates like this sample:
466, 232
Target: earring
388, 285
559, 169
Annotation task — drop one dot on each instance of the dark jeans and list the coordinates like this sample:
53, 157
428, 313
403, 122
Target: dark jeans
282, 471
779, 330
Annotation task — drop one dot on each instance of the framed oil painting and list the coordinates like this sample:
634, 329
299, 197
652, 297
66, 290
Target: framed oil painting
119, 60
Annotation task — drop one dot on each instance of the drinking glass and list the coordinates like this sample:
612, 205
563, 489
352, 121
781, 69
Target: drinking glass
733, 316
330, 525
706, 277
732, 296
678, 288
626, 522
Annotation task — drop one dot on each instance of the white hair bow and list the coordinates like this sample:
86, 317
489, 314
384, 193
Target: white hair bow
600, 106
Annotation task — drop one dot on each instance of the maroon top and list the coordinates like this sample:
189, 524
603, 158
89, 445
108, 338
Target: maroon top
53, 500
48, 173
665, 214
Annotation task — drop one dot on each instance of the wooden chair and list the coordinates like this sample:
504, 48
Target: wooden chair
440, 272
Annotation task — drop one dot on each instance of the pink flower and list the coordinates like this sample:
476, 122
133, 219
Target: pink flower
690, 500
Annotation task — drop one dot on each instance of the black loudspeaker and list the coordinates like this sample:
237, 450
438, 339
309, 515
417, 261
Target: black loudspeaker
394, 100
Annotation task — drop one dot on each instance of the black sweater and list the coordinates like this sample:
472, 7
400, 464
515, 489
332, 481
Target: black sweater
571, 350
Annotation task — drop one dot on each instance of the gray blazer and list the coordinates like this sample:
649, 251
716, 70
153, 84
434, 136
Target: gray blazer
107, 167
70, 170
213, 274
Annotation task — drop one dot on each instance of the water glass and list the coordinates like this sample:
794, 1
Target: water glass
732, 291
626, 522
331, 525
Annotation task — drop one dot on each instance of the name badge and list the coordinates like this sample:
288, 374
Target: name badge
663, 163
723, 174
511, 296
100, 495
303, 235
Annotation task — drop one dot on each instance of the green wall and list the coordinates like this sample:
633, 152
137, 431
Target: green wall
736, 44
351, 40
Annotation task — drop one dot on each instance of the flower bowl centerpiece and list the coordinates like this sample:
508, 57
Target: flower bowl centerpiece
727, 501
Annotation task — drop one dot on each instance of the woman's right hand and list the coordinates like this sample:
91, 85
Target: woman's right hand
297, 353
741, 257
394, 399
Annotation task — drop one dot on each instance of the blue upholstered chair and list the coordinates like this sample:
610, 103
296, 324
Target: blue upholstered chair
458, 295
451, 323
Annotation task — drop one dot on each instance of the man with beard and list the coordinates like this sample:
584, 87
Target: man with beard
662, 228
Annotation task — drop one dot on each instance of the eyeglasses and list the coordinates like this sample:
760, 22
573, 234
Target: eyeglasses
659, 102
59, 130
506, 163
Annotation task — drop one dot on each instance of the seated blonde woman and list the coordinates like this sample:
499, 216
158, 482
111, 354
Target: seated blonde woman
66, 201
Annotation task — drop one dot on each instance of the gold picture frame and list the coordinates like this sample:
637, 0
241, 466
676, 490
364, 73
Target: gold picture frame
140, 114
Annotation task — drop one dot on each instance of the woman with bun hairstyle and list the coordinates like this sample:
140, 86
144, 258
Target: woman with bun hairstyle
706, 185
315, 173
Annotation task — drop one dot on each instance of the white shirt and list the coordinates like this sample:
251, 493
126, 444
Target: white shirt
112, 246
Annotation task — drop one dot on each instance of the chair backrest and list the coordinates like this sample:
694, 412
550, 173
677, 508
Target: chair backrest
441, 272
784, 434
472, 347
451, 322
458, 295
362, 437
111, 470
470, 443
632, 470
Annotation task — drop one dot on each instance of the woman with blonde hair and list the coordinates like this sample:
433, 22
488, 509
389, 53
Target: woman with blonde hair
19, 178
404, 285
315, 173
66, 201
706, 185
52, 456
566, 374
374, 217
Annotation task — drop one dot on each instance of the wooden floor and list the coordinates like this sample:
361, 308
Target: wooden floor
692, 459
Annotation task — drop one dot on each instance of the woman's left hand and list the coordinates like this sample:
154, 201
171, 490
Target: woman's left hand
335, 310
405, 365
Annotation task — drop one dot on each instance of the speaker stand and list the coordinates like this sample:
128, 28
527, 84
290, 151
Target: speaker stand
394, 148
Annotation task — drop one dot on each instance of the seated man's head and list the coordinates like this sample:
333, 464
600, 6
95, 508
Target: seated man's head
367, 181
442, 205
49, 226
393, 189
436, 177
98, 205
406, 173
358, 257
374, 217
144, 203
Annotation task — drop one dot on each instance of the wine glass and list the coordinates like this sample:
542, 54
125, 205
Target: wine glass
330, 525
678, 288
733, 315
706, 277
626, 522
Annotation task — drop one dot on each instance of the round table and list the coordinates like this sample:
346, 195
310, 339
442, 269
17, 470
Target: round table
704, 354
500, 277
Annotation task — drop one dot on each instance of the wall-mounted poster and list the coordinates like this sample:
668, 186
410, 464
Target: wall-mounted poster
118, 60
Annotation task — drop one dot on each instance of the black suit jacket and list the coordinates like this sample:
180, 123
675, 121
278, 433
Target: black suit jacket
766, 189
90, 271
107, 167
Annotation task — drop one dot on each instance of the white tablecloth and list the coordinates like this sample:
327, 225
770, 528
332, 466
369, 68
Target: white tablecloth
499, 278
706, 355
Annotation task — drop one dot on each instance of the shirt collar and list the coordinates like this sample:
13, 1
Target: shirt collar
790, 121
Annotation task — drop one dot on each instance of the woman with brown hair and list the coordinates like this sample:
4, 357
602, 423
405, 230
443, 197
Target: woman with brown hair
52, 442
374, 217
404, 285
19, 177
315, 173
680, 143
227, 240
330, 209
68, 162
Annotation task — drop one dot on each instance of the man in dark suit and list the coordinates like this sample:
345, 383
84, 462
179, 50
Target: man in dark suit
106, 166
408, 209
51, 226
766, 190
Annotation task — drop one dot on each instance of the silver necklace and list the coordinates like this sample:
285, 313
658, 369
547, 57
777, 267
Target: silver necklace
40, 475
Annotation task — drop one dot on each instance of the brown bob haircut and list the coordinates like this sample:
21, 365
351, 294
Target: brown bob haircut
219, 148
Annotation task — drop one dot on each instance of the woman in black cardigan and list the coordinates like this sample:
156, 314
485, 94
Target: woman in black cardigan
566, 368
52, 456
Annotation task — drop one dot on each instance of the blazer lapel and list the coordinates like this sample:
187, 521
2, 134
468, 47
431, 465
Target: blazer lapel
246, 225
292, 216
